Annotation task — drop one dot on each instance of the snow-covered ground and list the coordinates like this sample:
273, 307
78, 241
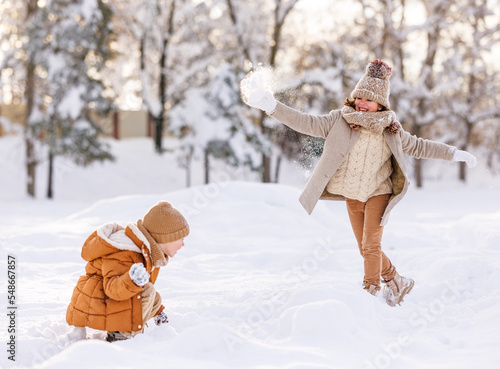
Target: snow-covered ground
259, 284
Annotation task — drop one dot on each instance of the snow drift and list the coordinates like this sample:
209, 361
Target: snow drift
259, 284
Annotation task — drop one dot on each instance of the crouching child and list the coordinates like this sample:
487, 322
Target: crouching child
117, 293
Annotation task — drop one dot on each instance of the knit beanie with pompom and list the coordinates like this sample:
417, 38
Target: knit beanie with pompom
374, 84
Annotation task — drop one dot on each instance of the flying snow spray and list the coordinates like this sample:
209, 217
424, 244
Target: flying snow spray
257, 82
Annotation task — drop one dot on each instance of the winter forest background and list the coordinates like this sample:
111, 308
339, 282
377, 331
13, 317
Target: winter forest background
69, 62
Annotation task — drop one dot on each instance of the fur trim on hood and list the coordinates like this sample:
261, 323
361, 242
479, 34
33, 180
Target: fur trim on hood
114, 234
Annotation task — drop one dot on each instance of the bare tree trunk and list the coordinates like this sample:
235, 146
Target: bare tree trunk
189, 161
159, 133
51, 175
30, 167
418, 173
188, 175
207, 167
162, 92
277, 170
29, 93
417, 169
266, 158
162, 87
275, 45
266, 168
278, 24
462, 172
234, 20
433, 36
159, 119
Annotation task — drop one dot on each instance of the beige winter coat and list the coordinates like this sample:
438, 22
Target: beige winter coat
339, 140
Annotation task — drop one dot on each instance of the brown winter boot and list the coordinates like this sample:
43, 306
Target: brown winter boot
114, 336
397, 288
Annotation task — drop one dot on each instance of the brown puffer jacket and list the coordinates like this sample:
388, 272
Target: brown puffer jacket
105, 298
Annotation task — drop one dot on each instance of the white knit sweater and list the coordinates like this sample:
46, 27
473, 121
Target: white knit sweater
366, 172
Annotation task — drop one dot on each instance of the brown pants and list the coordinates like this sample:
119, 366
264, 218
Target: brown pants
365, 220
151, 302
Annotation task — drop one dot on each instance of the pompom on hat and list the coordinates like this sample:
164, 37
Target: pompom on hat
375, 84
165, 223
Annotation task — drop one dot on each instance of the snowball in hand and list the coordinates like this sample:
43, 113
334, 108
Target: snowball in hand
256, 90
255, 86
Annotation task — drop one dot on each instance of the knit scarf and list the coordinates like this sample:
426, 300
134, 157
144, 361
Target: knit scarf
158, 258
374, 122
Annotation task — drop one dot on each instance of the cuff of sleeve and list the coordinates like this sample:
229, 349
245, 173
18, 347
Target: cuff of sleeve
451, 153
159, 310
273, 111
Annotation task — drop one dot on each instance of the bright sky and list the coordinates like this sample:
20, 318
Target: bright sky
325, 14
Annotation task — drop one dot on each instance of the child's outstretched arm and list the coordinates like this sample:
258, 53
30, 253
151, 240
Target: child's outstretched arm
256, 94
420, 148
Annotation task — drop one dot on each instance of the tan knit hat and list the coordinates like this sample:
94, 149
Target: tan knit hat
374, 84
165, 223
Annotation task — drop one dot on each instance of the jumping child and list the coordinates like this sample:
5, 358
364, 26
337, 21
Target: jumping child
363, 163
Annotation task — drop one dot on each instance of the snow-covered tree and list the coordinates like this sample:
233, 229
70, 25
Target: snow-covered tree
171, 37
318, 85
468, 75
20, 69
155, 37
421, 40
66, 45
256, 32
214, 129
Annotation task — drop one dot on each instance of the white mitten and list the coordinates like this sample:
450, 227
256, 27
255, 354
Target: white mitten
138, 274
256, 92
461, 155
